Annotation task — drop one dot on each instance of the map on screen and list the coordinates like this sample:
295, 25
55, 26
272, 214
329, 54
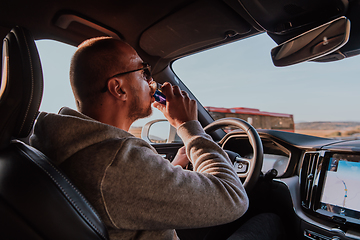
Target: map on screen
341, 193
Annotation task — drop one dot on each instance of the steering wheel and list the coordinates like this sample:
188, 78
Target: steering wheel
248, 169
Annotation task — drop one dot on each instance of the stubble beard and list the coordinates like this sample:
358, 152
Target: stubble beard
138, 112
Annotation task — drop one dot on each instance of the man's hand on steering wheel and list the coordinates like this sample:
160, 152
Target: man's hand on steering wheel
181, 158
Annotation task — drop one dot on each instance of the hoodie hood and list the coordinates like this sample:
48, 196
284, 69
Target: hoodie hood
77, 131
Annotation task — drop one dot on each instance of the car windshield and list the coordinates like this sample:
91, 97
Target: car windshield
240, 80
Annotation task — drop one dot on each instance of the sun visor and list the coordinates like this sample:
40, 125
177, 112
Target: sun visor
193, 27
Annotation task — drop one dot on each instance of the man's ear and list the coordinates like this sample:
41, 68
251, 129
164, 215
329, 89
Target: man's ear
116, 88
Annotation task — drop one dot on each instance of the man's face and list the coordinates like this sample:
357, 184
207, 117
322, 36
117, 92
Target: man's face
141, 99
137, 84
141, 108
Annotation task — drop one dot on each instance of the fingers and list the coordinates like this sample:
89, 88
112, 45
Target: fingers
182, 150
167, 90
172, 91
185, 94
179, 107
159, 106
176, 90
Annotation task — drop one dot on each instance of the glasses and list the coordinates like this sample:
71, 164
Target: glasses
146, 73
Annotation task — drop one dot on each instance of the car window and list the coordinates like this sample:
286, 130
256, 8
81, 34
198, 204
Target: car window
55, 61
240, 80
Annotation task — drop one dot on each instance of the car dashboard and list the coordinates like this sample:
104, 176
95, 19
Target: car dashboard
316, 188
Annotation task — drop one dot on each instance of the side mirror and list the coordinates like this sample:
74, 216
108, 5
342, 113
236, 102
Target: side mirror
312, 44
159, 131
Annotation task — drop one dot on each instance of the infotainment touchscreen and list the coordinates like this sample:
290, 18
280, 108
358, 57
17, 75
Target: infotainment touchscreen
341, 190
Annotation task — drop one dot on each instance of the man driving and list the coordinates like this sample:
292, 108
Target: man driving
137, 193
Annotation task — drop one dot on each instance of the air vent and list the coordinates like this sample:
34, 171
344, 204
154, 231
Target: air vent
307, 176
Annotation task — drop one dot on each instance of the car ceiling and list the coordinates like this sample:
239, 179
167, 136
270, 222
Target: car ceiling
162, 31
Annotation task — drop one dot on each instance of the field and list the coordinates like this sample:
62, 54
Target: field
329, 129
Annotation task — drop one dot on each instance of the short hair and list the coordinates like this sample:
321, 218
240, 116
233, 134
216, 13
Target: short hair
91, 65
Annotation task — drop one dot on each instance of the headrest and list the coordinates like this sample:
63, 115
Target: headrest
21, 85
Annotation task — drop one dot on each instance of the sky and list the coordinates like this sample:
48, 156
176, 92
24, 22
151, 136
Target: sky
244, 75
240, 74
55, 60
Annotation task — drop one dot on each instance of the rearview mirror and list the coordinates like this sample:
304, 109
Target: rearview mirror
312, 44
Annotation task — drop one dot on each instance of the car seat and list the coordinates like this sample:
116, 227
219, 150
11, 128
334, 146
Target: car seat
37, 200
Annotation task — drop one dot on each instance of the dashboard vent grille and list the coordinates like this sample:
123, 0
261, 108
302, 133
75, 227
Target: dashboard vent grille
307, 175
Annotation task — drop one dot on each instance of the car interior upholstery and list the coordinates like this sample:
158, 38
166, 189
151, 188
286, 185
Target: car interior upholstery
38, 201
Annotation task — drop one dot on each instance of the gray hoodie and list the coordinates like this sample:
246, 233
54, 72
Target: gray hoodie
137, 193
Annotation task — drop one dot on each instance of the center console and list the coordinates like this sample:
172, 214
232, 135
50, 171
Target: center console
330, 192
